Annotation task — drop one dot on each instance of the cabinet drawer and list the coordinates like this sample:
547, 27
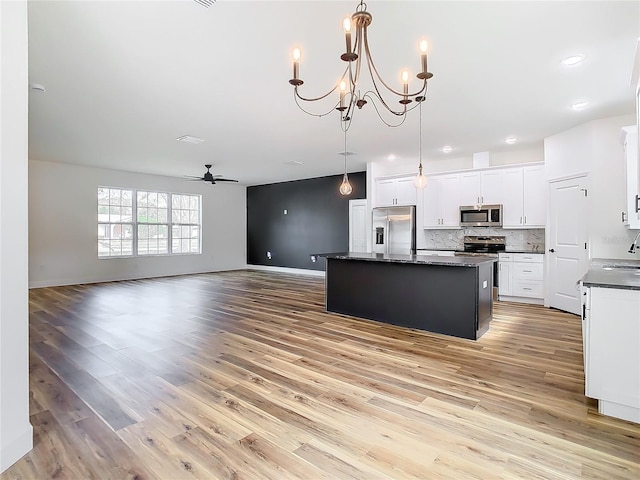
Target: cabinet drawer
438, 253
524, 288
528, 257
505, 257
527, 271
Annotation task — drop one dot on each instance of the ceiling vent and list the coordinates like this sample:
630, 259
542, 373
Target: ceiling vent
205, 3
190, 139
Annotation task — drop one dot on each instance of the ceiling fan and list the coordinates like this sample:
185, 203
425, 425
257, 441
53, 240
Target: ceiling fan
209, 177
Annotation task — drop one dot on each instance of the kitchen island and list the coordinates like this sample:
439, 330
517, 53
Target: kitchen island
449, 295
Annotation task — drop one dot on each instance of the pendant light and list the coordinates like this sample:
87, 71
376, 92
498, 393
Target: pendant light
345, 186
421, 180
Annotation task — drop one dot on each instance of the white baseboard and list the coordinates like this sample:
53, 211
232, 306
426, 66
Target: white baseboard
13, 450
295, 271
59, 282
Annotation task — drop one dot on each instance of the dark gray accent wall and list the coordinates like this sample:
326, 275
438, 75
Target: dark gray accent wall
317, 220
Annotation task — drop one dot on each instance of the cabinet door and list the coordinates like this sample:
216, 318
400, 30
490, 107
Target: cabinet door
535, 197
405, 191
614, 346
431, 203
492, 187
385, 192
470, 188
630, 136
512, 204
504, 278
450, 200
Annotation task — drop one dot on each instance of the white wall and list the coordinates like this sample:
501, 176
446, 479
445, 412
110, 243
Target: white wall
595, 148
452, 162
609, 238
15, 431
63, 226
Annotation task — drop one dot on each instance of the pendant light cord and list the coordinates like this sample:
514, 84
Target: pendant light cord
345, 152
420, 136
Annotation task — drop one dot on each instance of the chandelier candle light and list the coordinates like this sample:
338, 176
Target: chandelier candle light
349, 85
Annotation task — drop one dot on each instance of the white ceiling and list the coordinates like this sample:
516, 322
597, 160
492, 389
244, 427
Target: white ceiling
125, 79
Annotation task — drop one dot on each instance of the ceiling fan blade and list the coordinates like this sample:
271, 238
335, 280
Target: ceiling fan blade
224, 180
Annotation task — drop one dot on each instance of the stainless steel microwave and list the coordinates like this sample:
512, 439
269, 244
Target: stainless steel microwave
481, 216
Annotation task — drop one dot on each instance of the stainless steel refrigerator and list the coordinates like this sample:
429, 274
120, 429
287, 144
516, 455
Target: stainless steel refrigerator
394, 230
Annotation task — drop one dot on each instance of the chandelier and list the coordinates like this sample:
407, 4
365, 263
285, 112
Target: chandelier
349, 86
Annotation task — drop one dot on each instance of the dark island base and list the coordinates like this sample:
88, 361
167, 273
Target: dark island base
452, 300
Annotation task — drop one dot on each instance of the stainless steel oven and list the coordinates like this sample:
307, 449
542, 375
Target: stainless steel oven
489, 246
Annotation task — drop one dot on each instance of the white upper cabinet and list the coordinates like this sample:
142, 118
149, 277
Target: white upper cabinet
524, 202
481, 187
441, 202
631, 215
470, 188
535, 197
395, 191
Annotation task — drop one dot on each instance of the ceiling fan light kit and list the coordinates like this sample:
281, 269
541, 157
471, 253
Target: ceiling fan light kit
351, 96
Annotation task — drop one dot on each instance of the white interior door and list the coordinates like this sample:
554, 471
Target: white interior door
567, 237
358, 231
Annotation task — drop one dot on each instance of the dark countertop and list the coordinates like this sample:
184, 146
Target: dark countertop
454, 261
599, 275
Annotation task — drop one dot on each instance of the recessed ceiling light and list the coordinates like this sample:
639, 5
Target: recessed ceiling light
447, 149
579, 105
190, 139
511, 140
391, 157
573, 60
294, 162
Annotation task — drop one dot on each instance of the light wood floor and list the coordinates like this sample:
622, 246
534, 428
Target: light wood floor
242, 375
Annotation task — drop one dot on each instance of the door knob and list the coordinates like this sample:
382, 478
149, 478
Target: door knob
551, 250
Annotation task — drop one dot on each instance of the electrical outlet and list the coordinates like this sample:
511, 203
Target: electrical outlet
285, 211
269, 255
313, 258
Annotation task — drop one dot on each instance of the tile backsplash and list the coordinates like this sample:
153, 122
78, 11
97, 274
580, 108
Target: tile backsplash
526, 239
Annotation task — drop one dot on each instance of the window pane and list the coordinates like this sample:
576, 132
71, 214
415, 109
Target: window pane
114, 214
193, 203
153, 215
103, 196
142, 214
127, 214
127, 247
162, 200
102, 231
127, 196
175, 201
142, 199
162, 215
114, 196
103, 213
193, 217
127, 231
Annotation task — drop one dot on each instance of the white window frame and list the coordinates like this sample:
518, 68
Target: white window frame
134, 223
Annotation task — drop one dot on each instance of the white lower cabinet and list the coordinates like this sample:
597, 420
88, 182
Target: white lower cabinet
521, 277
437, 253
611, 342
